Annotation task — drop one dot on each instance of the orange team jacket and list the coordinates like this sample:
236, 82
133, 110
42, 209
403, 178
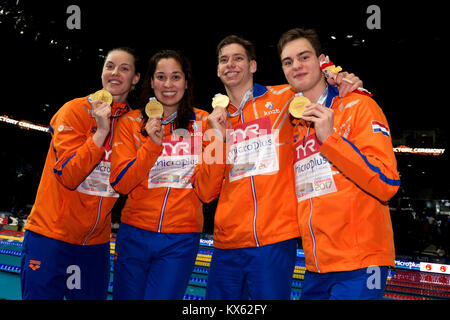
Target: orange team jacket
157, 178
74, 198
343, 187
257, 204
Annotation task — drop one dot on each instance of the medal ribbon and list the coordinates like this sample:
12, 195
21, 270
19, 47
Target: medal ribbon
116, 115
322, 98
244, 100
170, 119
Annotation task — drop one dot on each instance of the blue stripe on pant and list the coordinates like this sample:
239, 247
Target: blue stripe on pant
152, 265
259, 273
54, 270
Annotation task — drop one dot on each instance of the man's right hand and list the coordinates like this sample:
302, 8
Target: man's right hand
218, 120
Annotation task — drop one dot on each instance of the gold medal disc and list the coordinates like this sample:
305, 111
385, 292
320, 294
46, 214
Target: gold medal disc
220, 100
154, 108
297, 106
102, 95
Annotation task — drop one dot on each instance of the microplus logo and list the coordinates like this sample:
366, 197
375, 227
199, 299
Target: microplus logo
206, 242
407, 265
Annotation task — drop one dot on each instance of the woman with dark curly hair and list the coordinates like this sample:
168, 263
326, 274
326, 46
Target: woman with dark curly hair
153, 162
183, 101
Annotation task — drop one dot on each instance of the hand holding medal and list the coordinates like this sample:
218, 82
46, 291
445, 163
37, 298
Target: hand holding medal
96, 100
102, 95
298, 106
218, 118
101, 110
154, 110
220, 100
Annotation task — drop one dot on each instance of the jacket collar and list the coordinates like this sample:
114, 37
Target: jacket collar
332, 93
118, 109
192, 115
259, 90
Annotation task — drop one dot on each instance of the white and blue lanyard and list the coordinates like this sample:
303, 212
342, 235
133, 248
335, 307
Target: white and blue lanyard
244, 100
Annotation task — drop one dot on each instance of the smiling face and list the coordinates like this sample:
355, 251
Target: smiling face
169, 82
119, 74
234, 67
301, 65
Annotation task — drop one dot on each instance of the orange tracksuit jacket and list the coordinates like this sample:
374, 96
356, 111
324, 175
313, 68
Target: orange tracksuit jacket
260, 209
74, 198
167, 208
350, 228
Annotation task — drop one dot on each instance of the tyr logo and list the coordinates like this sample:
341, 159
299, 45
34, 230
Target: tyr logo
177, 148
249, 132
107, 155
307, 147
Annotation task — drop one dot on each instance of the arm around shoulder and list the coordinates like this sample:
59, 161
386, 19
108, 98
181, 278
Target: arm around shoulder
361, 149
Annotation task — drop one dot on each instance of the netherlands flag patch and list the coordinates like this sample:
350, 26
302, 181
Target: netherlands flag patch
379, 127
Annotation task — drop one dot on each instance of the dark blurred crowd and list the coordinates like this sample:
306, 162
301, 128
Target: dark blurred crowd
421, 232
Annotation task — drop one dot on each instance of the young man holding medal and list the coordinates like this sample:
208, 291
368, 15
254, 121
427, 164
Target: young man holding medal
255, 226
345, 172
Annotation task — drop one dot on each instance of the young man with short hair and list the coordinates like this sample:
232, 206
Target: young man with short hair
255, 227
345, 171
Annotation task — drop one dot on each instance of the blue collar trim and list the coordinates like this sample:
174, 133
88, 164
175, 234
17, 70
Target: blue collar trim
332, 93
259, 90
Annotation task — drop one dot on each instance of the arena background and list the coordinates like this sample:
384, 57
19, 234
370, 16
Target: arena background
44, 63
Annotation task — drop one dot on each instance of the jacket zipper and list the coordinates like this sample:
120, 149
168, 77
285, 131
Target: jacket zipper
312, 234
99, 210
255, 203
256, 210
163, 209
310, 216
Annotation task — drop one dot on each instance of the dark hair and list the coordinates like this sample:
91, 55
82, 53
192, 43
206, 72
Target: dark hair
130, 51
248, 46
296, 33
185, 109
132, 95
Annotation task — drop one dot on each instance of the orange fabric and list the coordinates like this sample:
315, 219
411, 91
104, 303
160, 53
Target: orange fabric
161, 209
351, 228
263, 210
60, 210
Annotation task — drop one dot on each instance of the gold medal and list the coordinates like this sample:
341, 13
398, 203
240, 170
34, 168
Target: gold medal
220, 100
102, 95
154, 108
297, 106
